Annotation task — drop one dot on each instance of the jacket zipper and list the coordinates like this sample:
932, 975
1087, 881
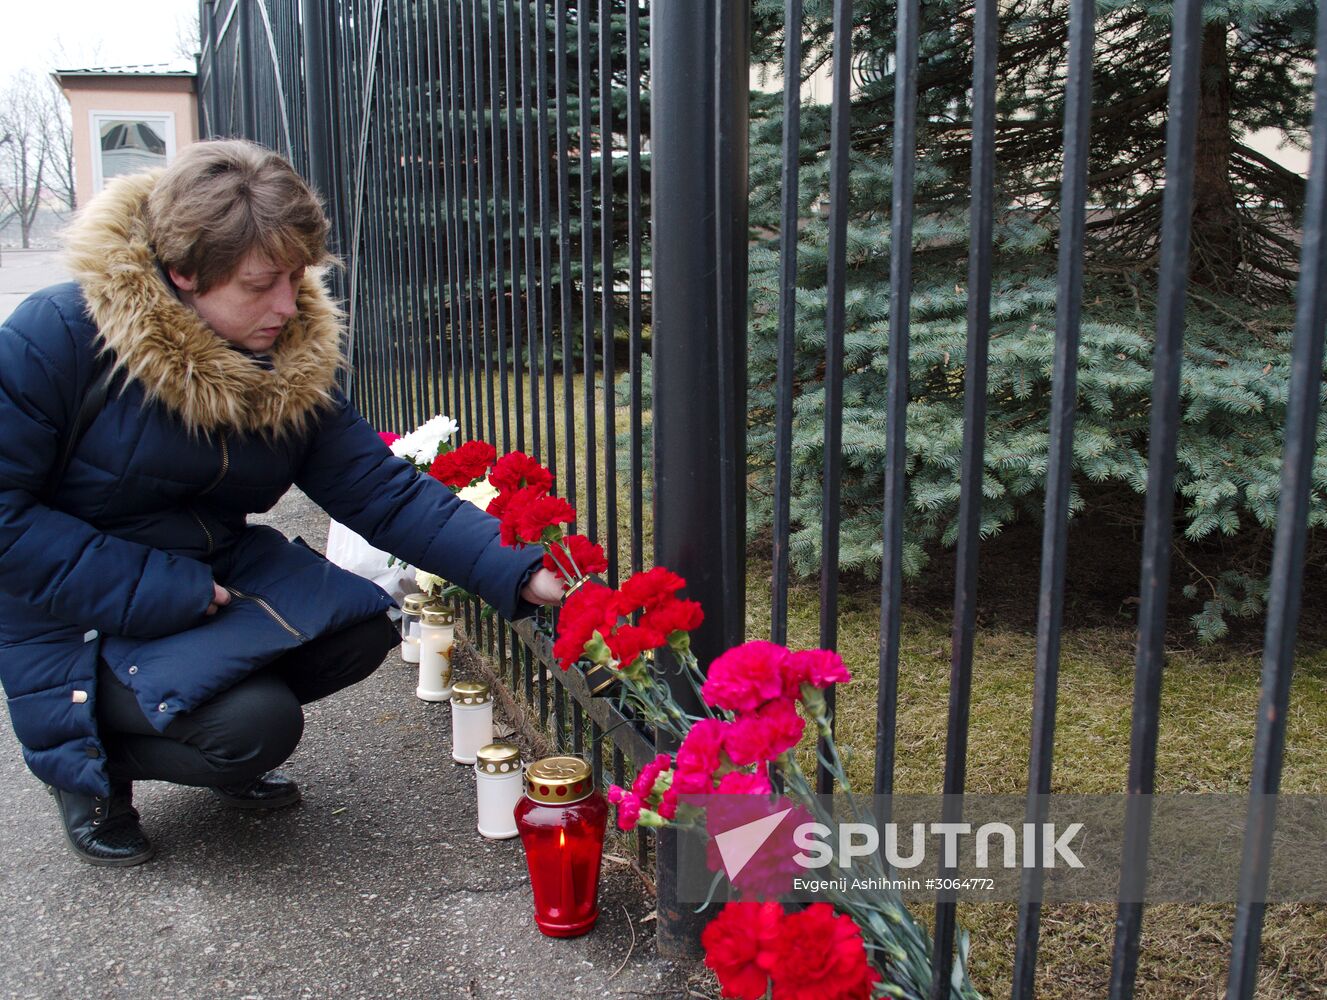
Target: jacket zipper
225, 467
262, 603
210, 543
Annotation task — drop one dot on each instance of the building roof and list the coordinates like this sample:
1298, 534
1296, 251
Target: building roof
178, 67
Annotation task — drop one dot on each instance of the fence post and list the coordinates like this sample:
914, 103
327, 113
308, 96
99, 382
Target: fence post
699, 80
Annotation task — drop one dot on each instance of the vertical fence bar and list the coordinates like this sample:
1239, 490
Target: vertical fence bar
413, 230
564, 252
245, 76
211, 124
516, 209
441, 259
896, 456
394, 264
319, 86
487, 246
545, 235
1283, 603
474, 397
1181, 130
585, 162
456, 283
528, 206
497, 290
1055, 530
985, 43
691, 459
606, 277
790, 216
634, 303
836, 292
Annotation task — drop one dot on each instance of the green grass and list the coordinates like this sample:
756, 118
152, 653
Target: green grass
1208, 718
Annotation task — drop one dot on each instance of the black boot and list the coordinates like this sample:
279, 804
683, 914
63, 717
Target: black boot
272, 790
103, 830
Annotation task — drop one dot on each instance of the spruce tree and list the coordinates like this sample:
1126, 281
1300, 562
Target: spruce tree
1257, 71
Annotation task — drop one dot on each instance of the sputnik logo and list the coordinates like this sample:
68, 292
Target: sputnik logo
739, 845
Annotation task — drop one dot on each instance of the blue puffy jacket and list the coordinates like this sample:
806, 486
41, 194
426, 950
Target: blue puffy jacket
119, 561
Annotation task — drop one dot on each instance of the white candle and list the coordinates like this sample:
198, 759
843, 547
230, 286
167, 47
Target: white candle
436, 635
472, 719
498, 786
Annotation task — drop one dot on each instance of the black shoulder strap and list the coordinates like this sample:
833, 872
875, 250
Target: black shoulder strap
94, 400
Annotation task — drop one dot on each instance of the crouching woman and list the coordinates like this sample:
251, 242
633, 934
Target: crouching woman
184, 380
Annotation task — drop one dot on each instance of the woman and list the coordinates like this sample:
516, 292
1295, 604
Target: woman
146, 630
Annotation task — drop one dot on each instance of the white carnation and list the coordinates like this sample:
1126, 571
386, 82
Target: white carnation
428, 582
421, 445
480, 494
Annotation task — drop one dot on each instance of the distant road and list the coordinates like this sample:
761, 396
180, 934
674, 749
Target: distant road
23, 272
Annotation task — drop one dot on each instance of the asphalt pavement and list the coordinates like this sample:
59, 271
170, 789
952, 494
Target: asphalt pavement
377, 885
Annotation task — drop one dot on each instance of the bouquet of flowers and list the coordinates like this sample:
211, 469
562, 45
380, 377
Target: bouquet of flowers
866, 944
422, 448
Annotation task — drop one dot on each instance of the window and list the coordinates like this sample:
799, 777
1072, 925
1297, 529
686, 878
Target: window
129, 142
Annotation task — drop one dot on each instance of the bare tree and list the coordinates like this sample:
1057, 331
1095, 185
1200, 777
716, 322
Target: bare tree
23, 150
60, 146
188, 35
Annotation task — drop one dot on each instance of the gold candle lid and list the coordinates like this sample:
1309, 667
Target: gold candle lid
436, 616
558, 780
470, 693
413, 604
498, 758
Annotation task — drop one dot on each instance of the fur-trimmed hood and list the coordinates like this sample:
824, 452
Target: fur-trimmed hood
168, 348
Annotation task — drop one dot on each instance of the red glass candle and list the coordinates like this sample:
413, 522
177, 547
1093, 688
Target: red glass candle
561, 819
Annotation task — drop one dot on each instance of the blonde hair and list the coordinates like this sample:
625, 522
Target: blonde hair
221, 200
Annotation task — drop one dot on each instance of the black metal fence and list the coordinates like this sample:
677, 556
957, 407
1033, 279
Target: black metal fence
485, 164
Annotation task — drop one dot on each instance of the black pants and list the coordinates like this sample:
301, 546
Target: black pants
246, 730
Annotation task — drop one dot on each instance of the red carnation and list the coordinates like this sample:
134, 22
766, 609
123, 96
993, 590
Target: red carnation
388, 438
589, 609
464, 465
649, 589
518, 471
527, 512
628, 642
585, 558
818, 955
739, 946
674, 616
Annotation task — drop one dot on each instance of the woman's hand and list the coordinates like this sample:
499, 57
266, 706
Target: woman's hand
544, 587
221, 597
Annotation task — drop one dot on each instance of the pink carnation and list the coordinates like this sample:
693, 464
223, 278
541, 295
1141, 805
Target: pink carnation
741, 783
746, 676
628, 812
817, 667
762, 736
700, 755
388, 438
649, 774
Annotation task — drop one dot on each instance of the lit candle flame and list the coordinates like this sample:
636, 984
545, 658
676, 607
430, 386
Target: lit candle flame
562, 838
